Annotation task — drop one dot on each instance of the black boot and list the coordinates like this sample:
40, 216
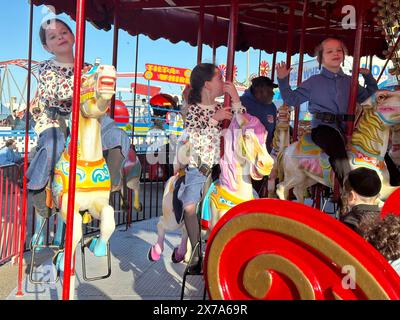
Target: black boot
196, 263
193, 228
39, 202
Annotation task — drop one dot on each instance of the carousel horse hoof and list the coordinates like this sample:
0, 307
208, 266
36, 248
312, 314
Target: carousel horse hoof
153, 255
98, 247
58, 261
176, 257
195, 267
139, 208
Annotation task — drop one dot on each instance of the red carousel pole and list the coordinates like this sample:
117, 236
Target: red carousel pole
275, 46
290, 34
200, 33
115, 51
300, 69
356, 65
233, 22
25, 190
214, 47
231, 52
80, 22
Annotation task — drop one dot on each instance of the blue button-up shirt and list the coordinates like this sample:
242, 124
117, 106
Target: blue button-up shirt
326, 92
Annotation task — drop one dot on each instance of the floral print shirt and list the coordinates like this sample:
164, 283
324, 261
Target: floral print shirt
55, 90
204, 133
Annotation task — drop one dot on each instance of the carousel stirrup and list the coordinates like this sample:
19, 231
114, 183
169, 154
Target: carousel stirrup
36, 246
194, 268
99, 249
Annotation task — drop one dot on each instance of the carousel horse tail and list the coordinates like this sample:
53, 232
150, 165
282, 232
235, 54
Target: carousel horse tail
281, 171
132, 170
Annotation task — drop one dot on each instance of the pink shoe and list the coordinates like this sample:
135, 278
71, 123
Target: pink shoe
154, 253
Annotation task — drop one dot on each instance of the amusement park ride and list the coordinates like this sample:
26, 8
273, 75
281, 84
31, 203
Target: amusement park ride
265, 248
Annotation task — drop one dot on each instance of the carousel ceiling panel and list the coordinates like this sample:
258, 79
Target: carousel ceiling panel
262, 24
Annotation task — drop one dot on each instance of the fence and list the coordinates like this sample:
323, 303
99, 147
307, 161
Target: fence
10, 211
151, 191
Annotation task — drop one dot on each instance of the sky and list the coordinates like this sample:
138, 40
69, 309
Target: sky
14, 31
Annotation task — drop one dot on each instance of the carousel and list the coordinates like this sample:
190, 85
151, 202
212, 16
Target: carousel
264, 248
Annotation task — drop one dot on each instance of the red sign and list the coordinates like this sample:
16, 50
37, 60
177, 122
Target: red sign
167, 74
144, 89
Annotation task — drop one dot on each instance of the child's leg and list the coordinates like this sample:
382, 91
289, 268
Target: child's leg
114, 161
192, 224
332, 143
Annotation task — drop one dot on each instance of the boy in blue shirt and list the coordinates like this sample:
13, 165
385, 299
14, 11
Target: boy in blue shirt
328, 96
9, 153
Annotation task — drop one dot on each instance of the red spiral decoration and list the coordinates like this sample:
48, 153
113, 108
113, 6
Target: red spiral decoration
274, 249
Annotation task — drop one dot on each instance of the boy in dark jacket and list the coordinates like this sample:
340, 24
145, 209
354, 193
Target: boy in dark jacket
361, 188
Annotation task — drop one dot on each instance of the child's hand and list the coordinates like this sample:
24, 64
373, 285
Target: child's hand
222, 114
230, 89
364, 71
282, 71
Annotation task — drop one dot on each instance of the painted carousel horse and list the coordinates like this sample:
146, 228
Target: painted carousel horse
92, 172
280, 141
245, 156
92, 175
304, 164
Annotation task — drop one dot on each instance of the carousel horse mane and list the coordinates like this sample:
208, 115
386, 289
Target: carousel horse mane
368, 130
229, 162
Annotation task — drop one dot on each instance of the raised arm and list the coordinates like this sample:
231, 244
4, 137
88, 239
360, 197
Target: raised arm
289, 96
372, 86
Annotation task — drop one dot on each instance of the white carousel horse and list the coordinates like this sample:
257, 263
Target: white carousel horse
245, 156
92, 172
303, 164
93, 182
280, 141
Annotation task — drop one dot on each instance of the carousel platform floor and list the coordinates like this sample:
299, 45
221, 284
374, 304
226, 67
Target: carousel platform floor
133, 276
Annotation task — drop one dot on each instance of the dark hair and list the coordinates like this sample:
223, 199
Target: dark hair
383, 234
43, 27
320, 49
363, 181
10, 142
201, 73
261, 82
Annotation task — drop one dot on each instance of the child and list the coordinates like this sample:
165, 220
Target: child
55, 91
203, 127
9, 153
328, 96
384, 235
361, 188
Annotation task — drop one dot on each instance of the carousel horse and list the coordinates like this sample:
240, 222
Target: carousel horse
280, 141
245, 156
304, 164
97, 90
93, 182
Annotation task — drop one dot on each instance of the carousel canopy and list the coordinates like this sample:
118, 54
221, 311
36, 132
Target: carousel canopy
262, 24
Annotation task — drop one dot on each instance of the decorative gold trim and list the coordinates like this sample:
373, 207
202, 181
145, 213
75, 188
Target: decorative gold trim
257, 280
311, 237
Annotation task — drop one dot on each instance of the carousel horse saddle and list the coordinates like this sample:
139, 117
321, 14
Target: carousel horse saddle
306, 148
177, 204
